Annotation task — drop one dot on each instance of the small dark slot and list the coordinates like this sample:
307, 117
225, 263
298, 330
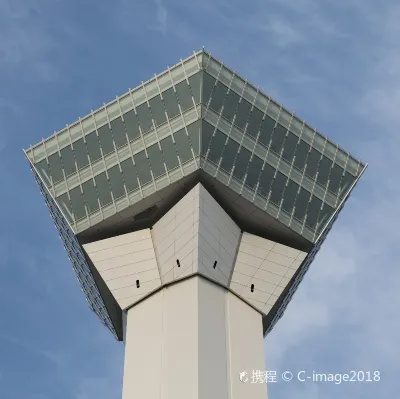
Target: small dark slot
215, 264
178, 263
137, 283
252, 288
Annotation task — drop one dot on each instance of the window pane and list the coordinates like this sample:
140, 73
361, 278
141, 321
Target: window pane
142, 167
131, 125
81, 155
324, 216
194, 136
144, 117
183, 146
253, 126
289, 147
346, 182
230, 105
129, 175
195, 86
118, 131
55, 168
116, 182
170, 103
156, 161
68, 161
184, 96
44, 171
103, 189
105, 138
157, 110
324, 170
267, 127
290, 196
277, 188
206, 134
266, 178
301, 155
65, 206
77, 202
253, 172
218, 97
90, 196
241, 163
208, 83
93, 146
278, 138
169, 152
312, 163
216, 147
313, 210
334, 178
229, 155
242, 114
301, 204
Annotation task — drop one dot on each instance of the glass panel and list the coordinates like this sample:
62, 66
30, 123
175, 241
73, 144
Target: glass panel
65, 206
334, 178
301, 155
312, 163
324, 216
218, 97
277, 188
301, 204
169, 152
81, 155
156, 160
278, 138
77, 202
157, 110
324, 170
142, 167
129, 175
253, 126
105, 138
93, 146
171, 103
253, 172
345, 184
242, 114
116, 182
68, 161
266, 177
267, 127
206, 134
144, 117
44, 171
216, 147
230, 105
183, 146
90, 196
195, 86
290, 196
313, 210
208, 83
194, 136
229, 155
184, 96
118, 131
289, 147
241, 163
131, 125
103, 189
55, 168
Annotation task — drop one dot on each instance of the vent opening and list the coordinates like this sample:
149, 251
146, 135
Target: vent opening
215, 265
178, 263
252, 288
137, 283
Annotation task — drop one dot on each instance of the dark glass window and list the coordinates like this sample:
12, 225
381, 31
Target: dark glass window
266, 178
206, 134
77, 202
267, 127
324, 216
229, 155
253, 172
142, 167
278, 138
289, 196
55, 167
90, 196
105, 138
277, 188
346, 182
290, 147
242, 114
230, 105
68, 161
194, 136
81, 155
241, 163
183, 146
116, 182
324, 170
103, 189
208, 84
157, 110
218, 97
312, 163
156, 160
93, 146
44, 171
301, 155
171, 103
144, 117
129, 175
169, 152
118, 131
301, 204
313, 210
253, 126
65, 206
334, 178
131, 125
195, 86
184, 96
216, 147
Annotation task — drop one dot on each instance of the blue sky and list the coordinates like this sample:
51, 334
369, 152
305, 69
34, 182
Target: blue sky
335, 63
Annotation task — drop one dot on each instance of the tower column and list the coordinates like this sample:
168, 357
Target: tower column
190, 340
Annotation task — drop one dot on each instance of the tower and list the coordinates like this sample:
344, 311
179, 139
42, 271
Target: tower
191, 207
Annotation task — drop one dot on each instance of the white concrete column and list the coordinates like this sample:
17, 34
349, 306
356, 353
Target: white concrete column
190, 341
